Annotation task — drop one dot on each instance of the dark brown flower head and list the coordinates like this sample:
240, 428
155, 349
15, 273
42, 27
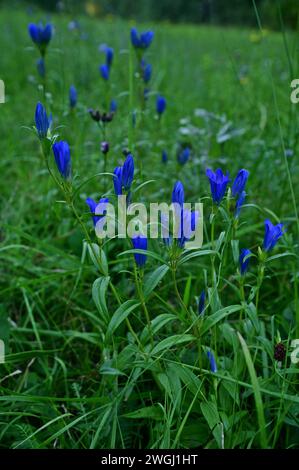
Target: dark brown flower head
105, 147
107, 117
95, 114
279, 352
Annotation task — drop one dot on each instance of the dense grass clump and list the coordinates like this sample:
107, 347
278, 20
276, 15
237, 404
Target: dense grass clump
163, 347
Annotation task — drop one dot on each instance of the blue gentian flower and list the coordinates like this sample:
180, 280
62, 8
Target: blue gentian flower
113, 106
201, 302
165, 229
245, 253
164, 156
239, 203
109, 55
142, 41
117, 180
41, 68
146, 72
139, 243
40, 35
240, 182
218, 184
184, 155
212, 361
188, 225
42, 121
128, 172
160, 105
104, 71
73, 96
93, 205
272, 234
62, 156
178, 193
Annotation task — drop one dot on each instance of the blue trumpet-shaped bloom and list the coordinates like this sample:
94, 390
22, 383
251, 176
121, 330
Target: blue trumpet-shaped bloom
73, 96
160, 104
104, 71
113, 106
201, 302
42, 121
109, 52
100, 205
146, 71
184, 155
142, 40
244, 260
212, 361
62, 156
40, 35
218, 184
240, 182
178, 193
128, 172
239, 203
272, 234
139, 243
165, 228
164, 156
117, 180
187, 227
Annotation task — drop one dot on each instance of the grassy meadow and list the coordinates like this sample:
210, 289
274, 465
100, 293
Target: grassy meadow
98, 352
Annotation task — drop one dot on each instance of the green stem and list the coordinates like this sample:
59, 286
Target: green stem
259, 283
242, 292
143, 304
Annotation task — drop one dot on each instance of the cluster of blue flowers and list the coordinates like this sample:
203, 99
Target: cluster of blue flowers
218, 184
40, 35
143, 40
123, 176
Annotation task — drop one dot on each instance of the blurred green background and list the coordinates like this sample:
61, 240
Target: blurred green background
225, 12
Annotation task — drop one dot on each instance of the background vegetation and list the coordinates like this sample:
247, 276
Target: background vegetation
226, 12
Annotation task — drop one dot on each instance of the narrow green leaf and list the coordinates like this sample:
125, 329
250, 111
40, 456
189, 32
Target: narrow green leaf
99, 290
156, 324
120, 315
151, 412
174, 340
256, 391
154, 278
211, 321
